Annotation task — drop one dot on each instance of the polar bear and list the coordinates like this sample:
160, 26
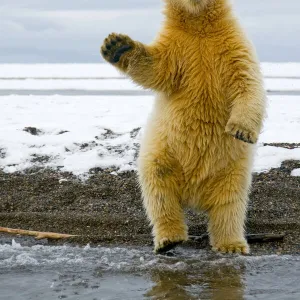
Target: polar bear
197, 150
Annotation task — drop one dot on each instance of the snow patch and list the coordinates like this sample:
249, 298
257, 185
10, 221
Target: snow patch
272, 157
296, 173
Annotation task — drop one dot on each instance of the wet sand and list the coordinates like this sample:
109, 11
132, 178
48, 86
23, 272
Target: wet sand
107, 209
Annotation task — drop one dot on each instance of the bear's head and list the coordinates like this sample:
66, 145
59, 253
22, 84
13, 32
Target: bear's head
191, 6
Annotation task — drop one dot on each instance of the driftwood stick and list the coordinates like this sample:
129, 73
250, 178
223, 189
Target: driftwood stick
251, 238
265, 237
37, 234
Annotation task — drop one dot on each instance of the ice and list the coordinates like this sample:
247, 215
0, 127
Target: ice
87, 247
15, 245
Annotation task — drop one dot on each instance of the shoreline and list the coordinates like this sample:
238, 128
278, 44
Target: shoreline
107, 209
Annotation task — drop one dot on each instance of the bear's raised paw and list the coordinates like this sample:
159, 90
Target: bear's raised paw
115, 46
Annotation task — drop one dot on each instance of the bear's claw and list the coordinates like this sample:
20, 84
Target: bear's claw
241, 134
239, 248
166, 245
115, 46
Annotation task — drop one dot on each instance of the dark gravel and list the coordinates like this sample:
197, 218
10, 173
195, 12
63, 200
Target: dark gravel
108, 209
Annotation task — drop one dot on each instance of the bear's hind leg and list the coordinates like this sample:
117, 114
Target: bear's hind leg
226, 228
227, 213
160, 182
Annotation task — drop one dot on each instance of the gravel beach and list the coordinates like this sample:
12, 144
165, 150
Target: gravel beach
107, 208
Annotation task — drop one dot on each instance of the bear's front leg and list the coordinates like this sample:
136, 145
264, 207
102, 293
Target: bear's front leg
241, 131
246, 118
247, 98
148, 66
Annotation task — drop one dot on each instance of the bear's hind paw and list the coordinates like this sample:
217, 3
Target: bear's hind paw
166, 244
238, 247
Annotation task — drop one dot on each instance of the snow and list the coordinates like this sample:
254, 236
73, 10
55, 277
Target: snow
283, 120
296, 173
271, 157
78, 133
288, 70
280, 85
105, 70
58, 84
271, 84
85, 119
58, 71
74, 129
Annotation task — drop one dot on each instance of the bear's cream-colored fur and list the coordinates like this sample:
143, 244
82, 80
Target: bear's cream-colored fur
197, 148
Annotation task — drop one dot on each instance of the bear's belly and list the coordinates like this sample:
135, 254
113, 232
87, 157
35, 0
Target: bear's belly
199, 145
196, 137
195, 125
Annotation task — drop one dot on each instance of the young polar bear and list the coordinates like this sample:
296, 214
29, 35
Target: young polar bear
197, 148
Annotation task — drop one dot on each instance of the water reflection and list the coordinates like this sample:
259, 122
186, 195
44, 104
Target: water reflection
214, 282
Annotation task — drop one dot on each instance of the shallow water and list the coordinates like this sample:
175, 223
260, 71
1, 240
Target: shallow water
44, 272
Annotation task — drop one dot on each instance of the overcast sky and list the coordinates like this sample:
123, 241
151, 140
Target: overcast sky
72, 30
